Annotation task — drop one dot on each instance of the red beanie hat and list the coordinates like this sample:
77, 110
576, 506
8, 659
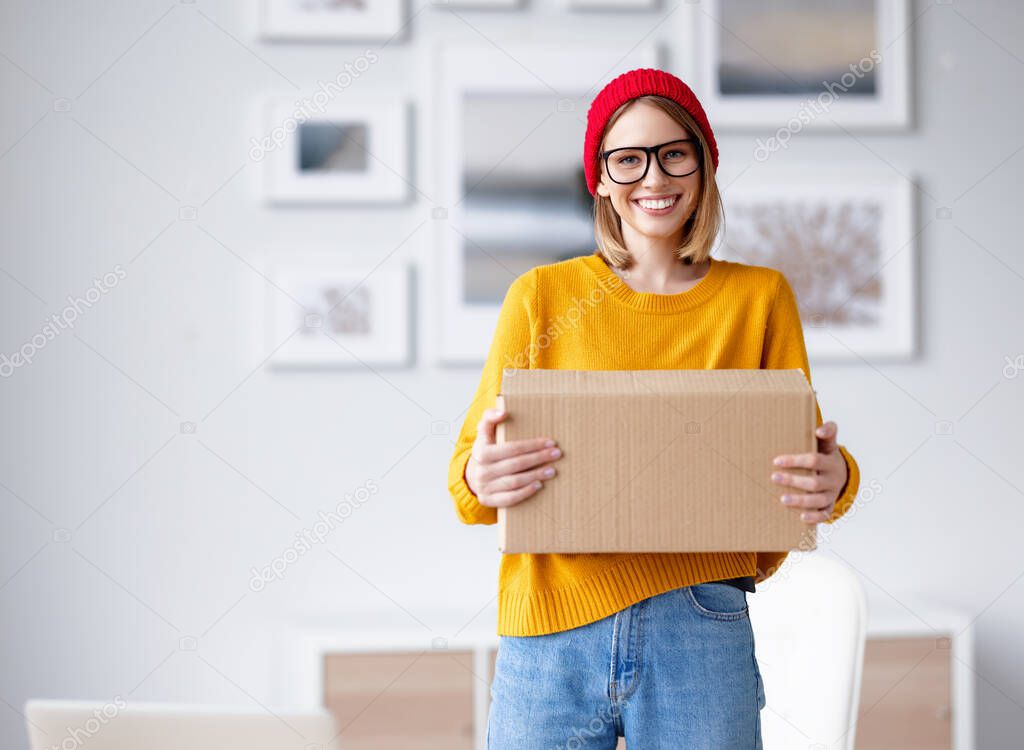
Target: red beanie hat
631, 85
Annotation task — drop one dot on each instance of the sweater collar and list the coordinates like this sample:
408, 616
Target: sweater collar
651, 301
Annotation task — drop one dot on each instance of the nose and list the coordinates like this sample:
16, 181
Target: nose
654, 174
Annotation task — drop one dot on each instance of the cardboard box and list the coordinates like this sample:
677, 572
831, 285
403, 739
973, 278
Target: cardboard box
659, 460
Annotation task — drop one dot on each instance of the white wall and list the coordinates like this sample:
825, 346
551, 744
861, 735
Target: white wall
163, 527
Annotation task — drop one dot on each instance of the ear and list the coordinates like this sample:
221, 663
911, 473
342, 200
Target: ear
602, 189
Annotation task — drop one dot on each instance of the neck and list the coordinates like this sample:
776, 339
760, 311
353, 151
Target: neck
655, 265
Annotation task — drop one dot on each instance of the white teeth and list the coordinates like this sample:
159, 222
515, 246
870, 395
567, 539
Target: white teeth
662, 203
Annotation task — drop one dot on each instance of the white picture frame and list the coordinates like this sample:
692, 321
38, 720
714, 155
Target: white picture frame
854, 273
613, 5
478, 4
567, 74
317, 20
324, 313
824, 108
356, 150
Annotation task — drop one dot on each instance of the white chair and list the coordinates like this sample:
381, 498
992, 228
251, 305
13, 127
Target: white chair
810, 626
134, 725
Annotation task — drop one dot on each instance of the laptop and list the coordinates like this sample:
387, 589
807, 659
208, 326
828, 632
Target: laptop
131, 725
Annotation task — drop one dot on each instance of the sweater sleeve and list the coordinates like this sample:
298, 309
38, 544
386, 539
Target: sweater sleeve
510, 347
784, 349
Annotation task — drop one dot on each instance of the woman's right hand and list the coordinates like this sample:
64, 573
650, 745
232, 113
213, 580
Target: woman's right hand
506, 474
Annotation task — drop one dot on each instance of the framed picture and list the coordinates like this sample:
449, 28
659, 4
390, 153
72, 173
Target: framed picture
513, 192
355, 151
626, 5
331, 20
845, 241
478, 4
800, 64
331, 314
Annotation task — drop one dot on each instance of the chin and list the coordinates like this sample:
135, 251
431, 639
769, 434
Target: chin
659, 232
657, 228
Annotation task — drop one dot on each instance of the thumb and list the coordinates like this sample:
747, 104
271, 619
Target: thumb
826, 434
491, 417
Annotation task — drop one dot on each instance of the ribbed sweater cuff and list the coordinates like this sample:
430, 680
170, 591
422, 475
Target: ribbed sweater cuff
467, 507
849, 492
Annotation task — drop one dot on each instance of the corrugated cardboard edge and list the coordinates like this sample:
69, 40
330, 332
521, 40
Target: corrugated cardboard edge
499, 436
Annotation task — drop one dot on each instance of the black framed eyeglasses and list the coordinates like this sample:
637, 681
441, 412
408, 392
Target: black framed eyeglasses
629, 164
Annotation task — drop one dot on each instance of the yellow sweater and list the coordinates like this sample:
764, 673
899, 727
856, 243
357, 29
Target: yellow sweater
577, 314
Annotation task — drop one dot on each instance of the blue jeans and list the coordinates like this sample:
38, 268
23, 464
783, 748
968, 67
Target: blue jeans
673, 671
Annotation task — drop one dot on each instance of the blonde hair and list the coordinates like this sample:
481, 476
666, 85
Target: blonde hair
701, 228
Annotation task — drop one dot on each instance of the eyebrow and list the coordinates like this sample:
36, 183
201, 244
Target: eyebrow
674, 140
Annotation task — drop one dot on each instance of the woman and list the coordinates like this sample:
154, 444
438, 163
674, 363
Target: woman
655, 647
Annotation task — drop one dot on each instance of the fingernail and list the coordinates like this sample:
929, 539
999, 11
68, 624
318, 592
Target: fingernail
787, 499
549, 443
556, 453
548, 472
777, 476
777, 462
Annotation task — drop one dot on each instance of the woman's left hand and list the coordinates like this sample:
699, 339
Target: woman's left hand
821, 490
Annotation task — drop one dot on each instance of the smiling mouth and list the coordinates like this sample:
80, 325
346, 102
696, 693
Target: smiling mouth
657, 204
